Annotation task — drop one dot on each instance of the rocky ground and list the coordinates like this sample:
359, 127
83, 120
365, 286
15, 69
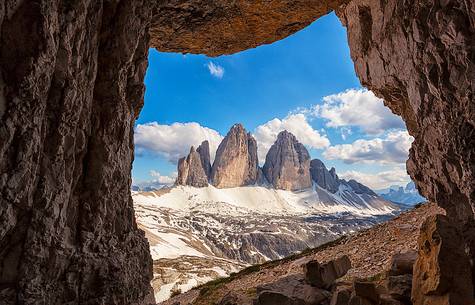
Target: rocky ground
370, 252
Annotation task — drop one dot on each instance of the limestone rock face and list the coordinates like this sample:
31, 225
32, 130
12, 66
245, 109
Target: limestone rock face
324, 178
191, 171
224, 27
236, 161
442, 273
419, 57
287, 164
71, 87
203, 150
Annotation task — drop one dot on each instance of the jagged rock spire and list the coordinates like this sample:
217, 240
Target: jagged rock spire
287, 163
236, 162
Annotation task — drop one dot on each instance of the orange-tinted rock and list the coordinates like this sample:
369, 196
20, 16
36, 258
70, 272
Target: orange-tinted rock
442, 273
236, 161
224, 27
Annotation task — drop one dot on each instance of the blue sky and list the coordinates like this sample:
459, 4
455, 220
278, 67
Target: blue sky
305, 83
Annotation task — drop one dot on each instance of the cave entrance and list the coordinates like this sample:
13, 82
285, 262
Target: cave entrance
298, 84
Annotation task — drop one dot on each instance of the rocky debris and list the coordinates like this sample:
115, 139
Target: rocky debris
203, 150
370, 251
233, 298
290, 290
191, 171
236, 162
324, 178
287, 164
324, 275
442, 272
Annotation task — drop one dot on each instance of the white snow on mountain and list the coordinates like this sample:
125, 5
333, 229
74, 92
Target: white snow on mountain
199, 234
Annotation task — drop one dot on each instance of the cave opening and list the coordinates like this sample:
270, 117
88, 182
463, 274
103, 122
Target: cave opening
72, 84
304, 84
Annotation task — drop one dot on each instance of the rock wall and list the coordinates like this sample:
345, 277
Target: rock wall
419, 56
225, 27
71, 87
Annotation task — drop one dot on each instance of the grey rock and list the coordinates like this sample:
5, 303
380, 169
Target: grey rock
287, 164
324, 178
203, 150
236, 162
190, 170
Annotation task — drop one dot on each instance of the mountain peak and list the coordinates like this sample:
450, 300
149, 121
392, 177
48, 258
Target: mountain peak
287, 163
236, 162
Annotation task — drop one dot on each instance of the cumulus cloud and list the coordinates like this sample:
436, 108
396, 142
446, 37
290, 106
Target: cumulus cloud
359, 108
380, 180
174, 141
215, 70
297, 124
157, 177
392, 149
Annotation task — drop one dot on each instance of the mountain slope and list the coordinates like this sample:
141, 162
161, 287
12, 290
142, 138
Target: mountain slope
224, 230
369, 250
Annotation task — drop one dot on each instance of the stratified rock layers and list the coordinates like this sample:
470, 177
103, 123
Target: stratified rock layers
72, 87
236, 161
287, 164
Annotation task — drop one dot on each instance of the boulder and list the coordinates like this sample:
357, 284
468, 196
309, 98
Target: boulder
190, 170
287, 164
357, 300
442, 272
341, 296
402, 263
399, 287
236, 162
324, 275
366, 290
290, 290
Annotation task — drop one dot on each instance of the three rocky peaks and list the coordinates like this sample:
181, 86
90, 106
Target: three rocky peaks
287, 165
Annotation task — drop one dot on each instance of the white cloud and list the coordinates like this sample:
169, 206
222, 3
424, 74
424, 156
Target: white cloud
174, 141
393, 149
215, 70
297, 124
157, 177
381, 180
359, 108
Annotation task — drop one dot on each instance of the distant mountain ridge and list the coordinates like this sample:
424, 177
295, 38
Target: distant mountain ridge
408, 195
287, 166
